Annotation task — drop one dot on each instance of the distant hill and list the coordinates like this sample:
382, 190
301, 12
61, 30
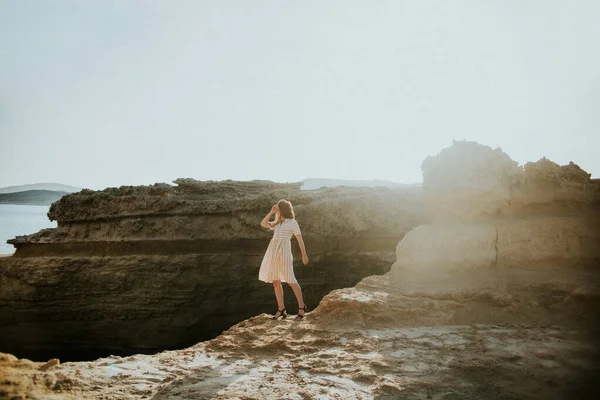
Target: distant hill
55, 187
32, 197
315, 183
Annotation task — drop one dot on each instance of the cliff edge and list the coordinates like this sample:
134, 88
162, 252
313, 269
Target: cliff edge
143, 269
478, 304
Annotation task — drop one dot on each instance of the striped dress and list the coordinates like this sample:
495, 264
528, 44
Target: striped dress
277, 264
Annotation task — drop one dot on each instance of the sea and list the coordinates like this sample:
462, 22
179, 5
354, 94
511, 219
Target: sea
16, 219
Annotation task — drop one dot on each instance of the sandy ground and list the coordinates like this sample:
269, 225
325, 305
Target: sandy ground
506, 337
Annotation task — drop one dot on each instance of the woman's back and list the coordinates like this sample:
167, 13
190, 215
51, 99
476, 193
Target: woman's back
286, 229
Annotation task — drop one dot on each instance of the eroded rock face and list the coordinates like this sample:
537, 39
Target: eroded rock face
500, 301
435, 247
562, 240
143, 269
486, 211
208, 212
469, 181
439, 336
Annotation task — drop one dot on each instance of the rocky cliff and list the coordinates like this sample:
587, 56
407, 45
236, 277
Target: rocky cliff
143, 269
485, 211
478, 304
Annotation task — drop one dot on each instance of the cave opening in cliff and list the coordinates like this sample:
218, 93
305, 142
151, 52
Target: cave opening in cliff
111, 306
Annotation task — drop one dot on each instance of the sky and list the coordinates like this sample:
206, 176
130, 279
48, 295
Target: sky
102, 93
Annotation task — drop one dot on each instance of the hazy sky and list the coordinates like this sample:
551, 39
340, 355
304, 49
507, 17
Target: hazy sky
101, 93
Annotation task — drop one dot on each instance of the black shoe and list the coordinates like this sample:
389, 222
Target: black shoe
303, 309
282, 314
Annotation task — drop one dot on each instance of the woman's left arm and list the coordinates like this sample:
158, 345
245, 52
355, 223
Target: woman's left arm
302, 248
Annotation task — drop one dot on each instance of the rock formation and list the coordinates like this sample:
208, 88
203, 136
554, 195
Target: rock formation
486, 211
479, 304
143, 269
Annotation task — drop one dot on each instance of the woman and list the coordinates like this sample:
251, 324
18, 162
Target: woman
277, 264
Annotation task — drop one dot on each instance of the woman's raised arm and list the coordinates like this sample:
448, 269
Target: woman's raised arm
265, 222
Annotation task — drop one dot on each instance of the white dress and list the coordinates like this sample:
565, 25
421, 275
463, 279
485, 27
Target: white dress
277, 264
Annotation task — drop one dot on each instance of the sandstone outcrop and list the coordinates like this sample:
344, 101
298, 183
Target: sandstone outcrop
497, 300
486, 211
143, 269
493, 334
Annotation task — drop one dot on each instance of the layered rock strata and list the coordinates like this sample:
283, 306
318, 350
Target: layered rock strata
465, 313
490, 333
143, 269
483, 210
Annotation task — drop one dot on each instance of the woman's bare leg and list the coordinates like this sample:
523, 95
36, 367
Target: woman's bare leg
298, 292
278, 294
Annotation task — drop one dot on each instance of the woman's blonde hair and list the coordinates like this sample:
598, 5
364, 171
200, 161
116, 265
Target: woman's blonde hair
285, 210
